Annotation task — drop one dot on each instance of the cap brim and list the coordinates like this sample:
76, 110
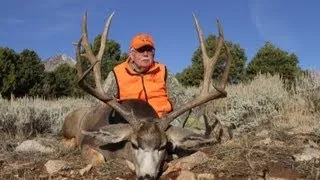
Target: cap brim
138, 46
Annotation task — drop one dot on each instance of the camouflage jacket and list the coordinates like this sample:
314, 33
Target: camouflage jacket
176, 93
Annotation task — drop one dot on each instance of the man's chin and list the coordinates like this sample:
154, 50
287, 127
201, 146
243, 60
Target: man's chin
147, 66
144, 69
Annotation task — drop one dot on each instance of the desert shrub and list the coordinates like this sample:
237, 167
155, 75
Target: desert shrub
247, 105
302, 112
31, 116
265, 99
308, 87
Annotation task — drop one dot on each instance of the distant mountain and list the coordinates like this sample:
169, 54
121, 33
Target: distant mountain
53, 62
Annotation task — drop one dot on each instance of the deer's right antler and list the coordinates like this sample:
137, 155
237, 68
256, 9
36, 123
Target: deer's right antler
95, 62
209, 64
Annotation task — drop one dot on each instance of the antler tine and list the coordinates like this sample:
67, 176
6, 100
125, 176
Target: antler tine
208, 64
104, 37
85, 41
95, 62
224, 78
81, 76
95, 65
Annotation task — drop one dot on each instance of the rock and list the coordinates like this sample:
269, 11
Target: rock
266, 141
43, 176
263, 133
312, 144
307, 154
186, 175
53, 166
33, 146
205, 176
130, 165
85, 170
187, 163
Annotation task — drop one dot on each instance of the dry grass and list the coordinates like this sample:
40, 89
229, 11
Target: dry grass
301, 112
263, 104
253, 154
28, 116
266, 99
247, 105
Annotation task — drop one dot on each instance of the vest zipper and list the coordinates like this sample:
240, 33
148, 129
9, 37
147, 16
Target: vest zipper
144, 88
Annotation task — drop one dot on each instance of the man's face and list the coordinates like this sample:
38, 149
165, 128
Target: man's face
143, 57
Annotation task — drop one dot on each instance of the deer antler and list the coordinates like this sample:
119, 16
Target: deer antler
209, 64
95, 62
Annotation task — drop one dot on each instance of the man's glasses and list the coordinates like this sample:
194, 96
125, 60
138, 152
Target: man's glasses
146, 49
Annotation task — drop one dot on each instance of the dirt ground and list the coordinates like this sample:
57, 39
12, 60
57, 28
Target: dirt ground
264, 153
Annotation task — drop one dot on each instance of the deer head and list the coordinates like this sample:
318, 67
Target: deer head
150, 135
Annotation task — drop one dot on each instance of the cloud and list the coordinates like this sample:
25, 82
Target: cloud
272, 25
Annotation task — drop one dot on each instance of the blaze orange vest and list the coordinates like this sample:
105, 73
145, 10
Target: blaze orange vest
150, 86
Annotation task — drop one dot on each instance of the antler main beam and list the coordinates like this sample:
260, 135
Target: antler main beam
94, 60
209, 64
95, 67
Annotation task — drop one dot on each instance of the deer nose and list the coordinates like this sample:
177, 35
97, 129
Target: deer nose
146, 177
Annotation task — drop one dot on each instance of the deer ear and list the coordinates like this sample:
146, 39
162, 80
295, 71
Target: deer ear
112, 133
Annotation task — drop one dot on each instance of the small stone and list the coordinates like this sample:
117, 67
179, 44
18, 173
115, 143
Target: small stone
53, 166
85, 170
263, 133
186, 175
33, 146
187, 163
266, 141
307, 154
206, 176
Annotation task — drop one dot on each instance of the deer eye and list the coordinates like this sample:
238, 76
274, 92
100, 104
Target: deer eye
163, 147
134, 146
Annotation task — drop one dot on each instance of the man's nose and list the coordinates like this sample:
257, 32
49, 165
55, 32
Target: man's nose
145, 53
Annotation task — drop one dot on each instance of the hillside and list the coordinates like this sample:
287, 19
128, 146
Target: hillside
53, 62
275, 134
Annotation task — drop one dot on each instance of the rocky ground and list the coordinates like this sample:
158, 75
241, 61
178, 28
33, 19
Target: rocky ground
264, 153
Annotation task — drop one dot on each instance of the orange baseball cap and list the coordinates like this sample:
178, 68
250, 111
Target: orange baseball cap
141, 40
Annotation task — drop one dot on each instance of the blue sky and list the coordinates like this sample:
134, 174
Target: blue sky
50, 27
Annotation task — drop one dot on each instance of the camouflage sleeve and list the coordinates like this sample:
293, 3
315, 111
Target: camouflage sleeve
110, 85
177, 97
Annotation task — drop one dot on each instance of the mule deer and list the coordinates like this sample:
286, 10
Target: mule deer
135, 132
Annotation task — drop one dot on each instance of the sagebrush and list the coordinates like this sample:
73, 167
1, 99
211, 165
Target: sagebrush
263, 99
35, 115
